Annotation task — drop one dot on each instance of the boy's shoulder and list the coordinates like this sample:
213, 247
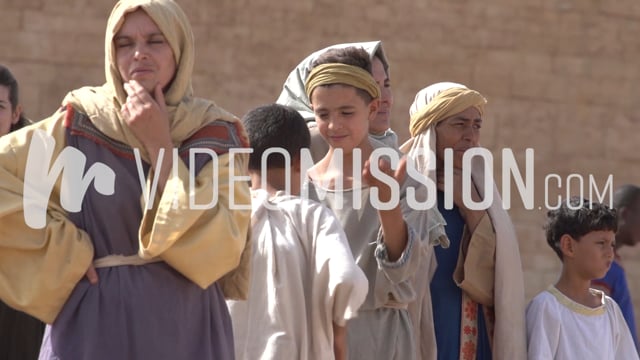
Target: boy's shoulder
545, 301
291, 205
610, 304
298, 218
544, 296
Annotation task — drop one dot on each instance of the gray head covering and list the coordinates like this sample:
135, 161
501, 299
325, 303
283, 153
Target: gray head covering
293, 93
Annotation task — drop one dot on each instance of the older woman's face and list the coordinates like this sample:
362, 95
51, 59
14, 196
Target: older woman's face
8, 115
458, 132
142, 52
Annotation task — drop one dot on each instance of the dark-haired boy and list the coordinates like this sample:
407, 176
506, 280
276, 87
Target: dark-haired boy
305, 284
626, 201
570, 320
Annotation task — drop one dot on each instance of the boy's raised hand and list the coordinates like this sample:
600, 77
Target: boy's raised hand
384, 190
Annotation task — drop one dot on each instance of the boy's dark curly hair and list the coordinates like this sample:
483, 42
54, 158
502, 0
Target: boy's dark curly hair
578, 217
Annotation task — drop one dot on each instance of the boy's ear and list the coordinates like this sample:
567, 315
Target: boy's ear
373, 108
16, 114
623, 212
567, 246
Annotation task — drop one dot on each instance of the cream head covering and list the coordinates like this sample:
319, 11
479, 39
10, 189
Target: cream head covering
293, 91
175, 27
440, 101
186, 113
335, 73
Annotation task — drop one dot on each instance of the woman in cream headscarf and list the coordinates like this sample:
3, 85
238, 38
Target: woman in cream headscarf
154, 284
476, 284
293, 95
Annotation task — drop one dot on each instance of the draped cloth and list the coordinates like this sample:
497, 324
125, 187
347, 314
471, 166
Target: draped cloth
39, 268
432, 105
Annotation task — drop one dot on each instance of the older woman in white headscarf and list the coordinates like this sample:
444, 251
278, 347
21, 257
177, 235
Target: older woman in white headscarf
475, 285
293, 95
154, 263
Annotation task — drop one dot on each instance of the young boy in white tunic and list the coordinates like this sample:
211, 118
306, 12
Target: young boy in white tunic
305, 284
570, 320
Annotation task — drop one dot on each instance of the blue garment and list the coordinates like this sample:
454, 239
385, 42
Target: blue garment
446, 296
615, 281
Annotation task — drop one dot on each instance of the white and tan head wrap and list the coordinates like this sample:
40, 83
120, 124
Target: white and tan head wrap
336, 73
440, 101
186, 113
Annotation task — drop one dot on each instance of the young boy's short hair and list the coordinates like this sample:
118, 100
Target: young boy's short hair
578, 217
275, 125
352, 55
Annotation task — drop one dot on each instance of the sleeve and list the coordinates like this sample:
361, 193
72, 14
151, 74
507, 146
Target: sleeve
625, 346
405, 267
39, 267
336, 271
205, 243
620, 293
425, 228
543, 329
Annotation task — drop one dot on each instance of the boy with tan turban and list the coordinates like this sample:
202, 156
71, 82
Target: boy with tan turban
344, 98
293, 94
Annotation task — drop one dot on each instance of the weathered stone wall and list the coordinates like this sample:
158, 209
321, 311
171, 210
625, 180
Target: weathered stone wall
561, 76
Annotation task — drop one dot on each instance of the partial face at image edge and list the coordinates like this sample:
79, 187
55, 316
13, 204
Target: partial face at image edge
8, 115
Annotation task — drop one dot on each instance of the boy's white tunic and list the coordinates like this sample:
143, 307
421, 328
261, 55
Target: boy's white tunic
303, 278
560, 329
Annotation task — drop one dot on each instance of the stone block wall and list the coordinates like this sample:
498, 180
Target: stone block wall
561, 76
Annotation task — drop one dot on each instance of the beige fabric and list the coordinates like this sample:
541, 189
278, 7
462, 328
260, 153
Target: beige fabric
336, 73
121, 260
182, 236
475, 271
443, 105
38, 267
304, 280
509, 336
